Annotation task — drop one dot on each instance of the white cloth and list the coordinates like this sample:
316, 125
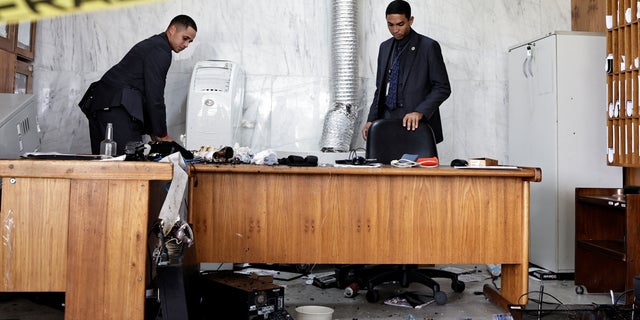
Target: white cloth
171, 208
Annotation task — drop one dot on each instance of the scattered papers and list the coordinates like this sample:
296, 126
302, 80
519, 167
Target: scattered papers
369, 165
279, 275
488, 167
410, 300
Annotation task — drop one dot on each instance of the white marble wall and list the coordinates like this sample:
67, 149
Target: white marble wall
285, 50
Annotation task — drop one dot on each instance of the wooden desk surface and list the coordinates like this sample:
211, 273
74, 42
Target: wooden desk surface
524, 173
388, 215
77, 169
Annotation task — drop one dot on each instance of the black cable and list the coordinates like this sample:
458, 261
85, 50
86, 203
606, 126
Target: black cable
622, 294
353, 153
544, 293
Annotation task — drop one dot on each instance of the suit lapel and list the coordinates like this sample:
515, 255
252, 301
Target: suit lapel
411, 51
385, 52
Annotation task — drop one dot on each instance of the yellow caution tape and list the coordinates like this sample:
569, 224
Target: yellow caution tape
23, 10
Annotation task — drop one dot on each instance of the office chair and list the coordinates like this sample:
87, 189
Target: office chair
388, 140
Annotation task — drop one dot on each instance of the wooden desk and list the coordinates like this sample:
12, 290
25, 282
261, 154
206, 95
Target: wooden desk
78, 227
260, 214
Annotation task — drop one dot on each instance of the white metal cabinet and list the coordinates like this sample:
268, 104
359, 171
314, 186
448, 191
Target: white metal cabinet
557, 122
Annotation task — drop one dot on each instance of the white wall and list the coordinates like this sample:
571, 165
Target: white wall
285, 50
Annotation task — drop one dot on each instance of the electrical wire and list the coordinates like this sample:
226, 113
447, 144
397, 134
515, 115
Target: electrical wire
557, 301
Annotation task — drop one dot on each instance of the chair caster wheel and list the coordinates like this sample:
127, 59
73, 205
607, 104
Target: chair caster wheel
372, 295
440, 297
580, 289
457, 286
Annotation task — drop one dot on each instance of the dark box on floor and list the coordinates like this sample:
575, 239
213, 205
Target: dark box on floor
573, 311
239, 297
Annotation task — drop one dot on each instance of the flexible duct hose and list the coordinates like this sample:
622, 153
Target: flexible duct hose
340, 119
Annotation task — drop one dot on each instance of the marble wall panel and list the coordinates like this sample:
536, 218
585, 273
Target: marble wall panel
285, 49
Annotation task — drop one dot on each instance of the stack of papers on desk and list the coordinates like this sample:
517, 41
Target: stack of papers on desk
499, 167
368, 165
60, 156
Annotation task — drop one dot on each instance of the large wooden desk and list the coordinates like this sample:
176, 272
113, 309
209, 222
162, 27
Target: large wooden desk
78, 227
389, 215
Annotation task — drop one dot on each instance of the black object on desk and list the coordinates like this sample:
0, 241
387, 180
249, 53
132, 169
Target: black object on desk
165, 148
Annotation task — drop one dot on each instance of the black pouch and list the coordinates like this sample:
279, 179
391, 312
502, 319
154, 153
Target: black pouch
298, 161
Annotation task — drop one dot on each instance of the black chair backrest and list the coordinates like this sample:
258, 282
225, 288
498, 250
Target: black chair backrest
388, 140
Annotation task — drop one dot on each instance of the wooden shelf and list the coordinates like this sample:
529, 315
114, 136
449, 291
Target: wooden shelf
613, 248
607, 201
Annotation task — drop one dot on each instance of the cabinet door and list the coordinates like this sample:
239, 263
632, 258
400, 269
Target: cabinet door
34, 214
7, 36
7, 71
23, 82
25, 39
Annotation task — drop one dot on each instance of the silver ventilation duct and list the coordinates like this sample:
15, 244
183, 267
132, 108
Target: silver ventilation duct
340, 119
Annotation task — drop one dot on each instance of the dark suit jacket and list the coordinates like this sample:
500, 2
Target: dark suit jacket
423, 86
136, 83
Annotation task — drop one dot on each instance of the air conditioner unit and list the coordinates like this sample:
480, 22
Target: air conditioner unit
214, 104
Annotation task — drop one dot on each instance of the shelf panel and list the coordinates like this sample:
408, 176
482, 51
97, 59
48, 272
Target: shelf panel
607, 201
613, 248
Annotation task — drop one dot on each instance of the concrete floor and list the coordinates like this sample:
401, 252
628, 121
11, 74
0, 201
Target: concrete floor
469, 304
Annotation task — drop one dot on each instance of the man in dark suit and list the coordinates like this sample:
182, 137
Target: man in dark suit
412, 80
130, 95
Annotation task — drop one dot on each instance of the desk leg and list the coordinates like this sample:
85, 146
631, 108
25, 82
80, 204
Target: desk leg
513, 285
495, 297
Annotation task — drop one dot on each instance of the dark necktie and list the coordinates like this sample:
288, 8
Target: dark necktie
393, 80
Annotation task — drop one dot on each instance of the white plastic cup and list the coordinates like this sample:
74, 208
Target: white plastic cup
314, 313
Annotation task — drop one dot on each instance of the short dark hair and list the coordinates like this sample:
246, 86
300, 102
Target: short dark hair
185, 21
399, 7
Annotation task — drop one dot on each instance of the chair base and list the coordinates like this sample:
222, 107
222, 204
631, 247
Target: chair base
371, 276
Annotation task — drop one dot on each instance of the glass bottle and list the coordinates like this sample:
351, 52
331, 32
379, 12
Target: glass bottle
108, 147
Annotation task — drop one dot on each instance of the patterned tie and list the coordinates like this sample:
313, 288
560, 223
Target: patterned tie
393, 80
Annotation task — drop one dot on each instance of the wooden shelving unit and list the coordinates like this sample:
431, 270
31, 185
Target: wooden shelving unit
606, 249
623, 83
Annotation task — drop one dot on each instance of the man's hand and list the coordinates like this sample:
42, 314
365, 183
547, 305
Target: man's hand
158, 138
365, 130
411, 120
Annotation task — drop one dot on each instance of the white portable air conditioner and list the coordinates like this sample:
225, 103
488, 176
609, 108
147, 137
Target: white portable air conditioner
214, 104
